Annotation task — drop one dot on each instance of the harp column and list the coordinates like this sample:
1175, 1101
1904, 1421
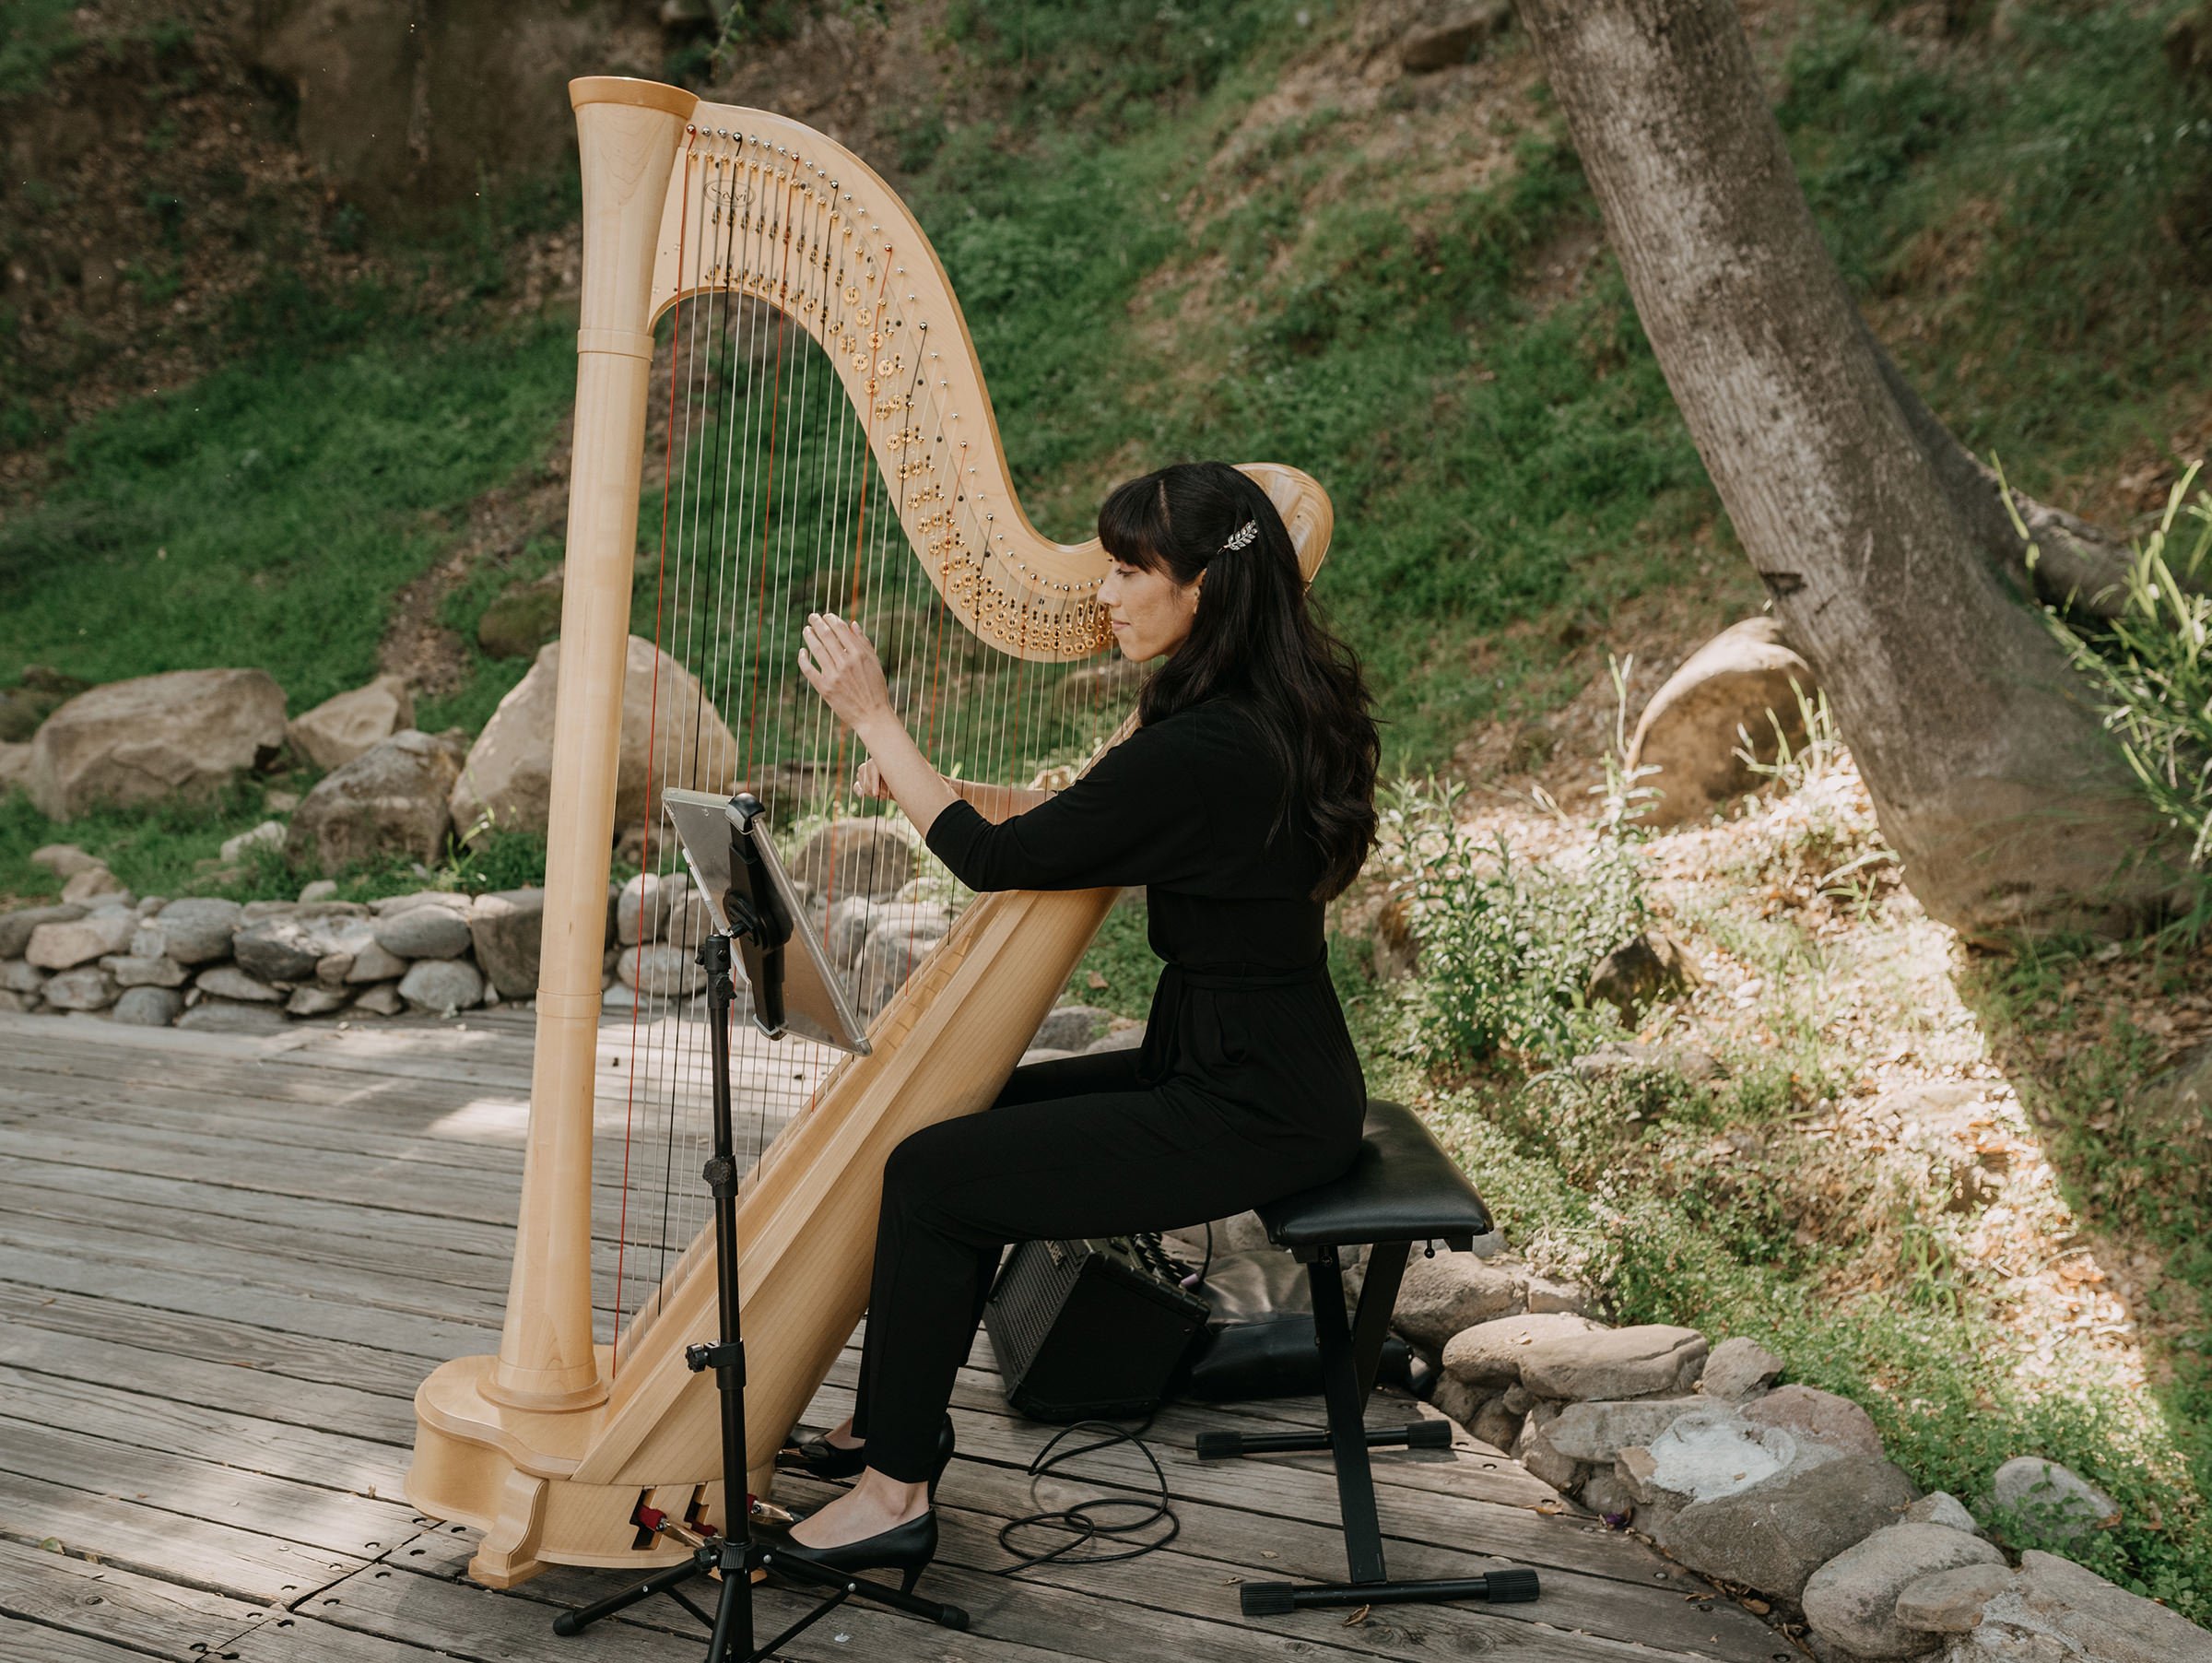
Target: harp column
627, 133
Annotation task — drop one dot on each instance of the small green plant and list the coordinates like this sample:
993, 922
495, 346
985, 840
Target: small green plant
2151, 668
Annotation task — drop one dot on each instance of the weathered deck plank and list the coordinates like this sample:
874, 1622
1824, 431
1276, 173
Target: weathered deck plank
225, 1262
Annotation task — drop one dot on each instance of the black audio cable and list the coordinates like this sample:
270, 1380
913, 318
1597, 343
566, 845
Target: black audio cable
1080, 1521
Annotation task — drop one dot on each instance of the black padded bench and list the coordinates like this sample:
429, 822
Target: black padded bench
1401, 1189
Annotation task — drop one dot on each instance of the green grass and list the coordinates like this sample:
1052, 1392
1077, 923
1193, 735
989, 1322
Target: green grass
34, 36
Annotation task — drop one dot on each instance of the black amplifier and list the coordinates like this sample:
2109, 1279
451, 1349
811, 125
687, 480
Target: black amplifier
1094, 1328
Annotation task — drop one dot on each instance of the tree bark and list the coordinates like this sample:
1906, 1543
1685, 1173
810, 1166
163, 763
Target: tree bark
2010, 807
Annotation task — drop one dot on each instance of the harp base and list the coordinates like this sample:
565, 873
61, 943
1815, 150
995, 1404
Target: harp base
506, 1471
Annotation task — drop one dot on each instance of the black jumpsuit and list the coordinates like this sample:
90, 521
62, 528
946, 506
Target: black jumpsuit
1246, 1088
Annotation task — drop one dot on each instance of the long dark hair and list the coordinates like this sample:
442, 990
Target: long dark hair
1255, 640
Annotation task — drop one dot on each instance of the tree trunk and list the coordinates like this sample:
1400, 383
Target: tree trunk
1871, 527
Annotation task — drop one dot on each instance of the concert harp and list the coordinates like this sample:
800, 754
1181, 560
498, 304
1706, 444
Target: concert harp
822, 437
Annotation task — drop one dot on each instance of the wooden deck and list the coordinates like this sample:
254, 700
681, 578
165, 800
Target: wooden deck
225, 1263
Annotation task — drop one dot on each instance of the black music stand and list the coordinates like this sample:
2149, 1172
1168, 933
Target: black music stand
758, 907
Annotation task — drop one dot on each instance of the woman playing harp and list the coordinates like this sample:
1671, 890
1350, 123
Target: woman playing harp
1244, 802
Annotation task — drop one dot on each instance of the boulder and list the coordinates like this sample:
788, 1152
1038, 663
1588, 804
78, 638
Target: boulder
16, 927
660, 971
1627, 1059
228, 981
1550, 1293
66, 945
88, 989
2107, 1624
389, 800
148, 1006
1542, 1459
20, 975
1689, 730
1822, 1417
505, 928
1490, 1353
441, 985
1774, 1533
289, 947
1852, 1599
132, 971
314, 1001
15, 765
1456, 41
1131, 1038
423, 932
370, 962
1071, 1027
188, 733
269, 834
1596, 1433
339, 729
381, 1000
849, 857
65, 860
2055, 1501
1941, 1508
198, 929
688, 920
640, 909
1465, 1403
94, 885
228, 1016
1950, 1602
507, 781
521, 620
1646, 1361
1639, 973
1452, 1291
903, 936
845, 930
1739, 1368
1494, 1423
453, 900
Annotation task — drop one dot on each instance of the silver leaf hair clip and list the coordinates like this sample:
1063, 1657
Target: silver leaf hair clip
1242, 536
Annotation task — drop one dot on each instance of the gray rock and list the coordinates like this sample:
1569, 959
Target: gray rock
339, 729
389, 800
2056, 1500
1596, 1432
17, 1004
688, 919
381, 1000
65, 860
148, 1006
1535, 1452
149, 904
371, 962
903, 936
1739, 1368
132, 971
441, 985
1950, 1602
1547, 1293
453, 900
2107, 1623
1121, 1039
1822, 1417
424, 932
20, 975
323, 889
1639, 973
198, 929
1490, 1353
283, 947
254, 912
89, 988
640, 909
1606, 1495
1466, 1404
97, 884
1630, 1057
1494, 1423
1941, 1508
873, 857
1773, 1535
230, 982
1072, 1027
228, 1016
660, 971
147, 941
505, 929
269, 834
1704, 1454
845, 929
1747, 679
314, 1001
1457, 40
1452, 1291
188, 733
80, 941
1852, 1599
617, 995
16, 926
1649, 1360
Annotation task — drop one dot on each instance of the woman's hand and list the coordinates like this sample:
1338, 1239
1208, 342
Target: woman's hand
839, 662
869, 781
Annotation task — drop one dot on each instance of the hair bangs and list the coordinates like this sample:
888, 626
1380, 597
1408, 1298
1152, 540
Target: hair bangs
1134, 525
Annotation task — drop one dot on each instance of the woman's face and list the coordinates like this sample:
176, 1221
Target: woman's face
1150, 612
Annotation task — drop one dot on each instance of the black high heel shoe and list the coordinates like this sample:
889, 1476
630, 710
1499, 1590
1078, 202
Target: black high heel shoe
907, 1549
819, 1459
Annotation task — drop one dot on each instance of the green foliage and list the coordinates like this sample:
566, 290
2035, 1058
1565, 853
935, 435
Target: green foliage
1123, 956
268, 515
2151, 668
34, 36
1507, 944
